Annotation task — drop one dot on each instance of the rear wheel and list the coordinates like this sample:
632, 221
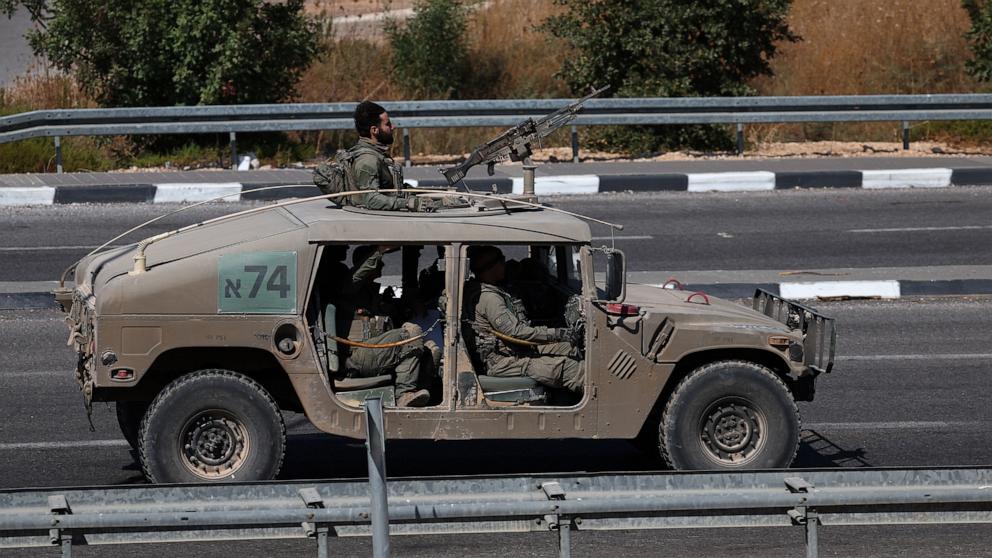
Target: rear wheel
212, 425
730, 415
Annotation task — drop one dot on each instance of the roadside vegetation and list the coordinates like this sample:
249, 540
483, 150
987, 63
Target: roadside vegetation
464, 49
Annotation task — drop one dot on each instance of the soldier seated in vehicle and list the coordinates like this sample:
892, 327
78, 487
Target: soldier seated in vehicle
363, 316
503, 341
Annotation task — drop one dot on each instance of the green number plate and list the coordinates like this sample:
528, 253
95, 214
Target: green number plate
257, 282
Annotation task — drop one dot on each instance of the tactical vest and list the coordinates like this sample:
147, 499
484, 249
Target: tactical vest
390, 172
479, 338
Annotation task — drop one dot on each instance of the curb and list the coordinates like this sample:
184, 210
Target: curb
817, 290
751, 181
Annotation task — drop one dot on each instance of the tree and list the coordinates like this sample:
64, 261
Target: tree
175, 52
430, 53
980, 36
669, 48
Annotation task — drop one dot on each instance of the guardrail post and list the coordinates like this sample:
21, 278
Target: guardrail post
553, 491
58, 154
59, 506
740, 138
803, 515
406, 148
575, 144
375, 442
234, 151
812, 542
905, 135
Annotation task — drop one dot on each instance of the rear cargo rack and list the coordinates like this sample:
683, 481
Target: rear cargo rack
819, 334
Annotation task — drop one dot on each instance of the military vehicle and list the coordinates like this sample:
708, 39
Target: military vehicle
204, 336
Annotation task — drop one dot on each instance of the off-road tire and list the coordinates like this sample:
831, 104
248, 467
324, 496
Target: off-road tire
212, 425
129, 416
730, 414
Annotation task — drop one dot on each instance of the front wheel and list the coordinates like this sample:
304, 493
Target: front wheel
212, 425
730, 415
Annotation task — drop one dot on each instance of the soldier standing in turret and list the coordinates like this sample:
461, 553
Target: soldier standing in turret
374, 169
502, 338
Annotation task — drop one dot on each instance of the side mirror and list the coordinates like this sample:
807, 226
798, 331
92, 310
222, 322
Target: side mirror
616, 276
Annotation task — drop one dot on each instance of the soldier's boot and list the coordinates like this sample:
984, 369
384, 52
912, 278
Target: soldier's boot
417, 398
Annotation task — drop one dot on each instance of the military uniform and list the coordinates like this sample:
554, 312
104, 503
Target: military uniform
357, 302
489, 309
375, 171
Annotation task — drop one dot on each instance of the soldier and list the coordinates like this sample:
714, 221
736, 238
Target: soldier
504, 341
359, 315
374, 169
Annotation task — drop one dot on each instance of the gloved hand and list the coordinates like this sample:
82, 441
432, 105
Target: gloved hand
420, 204
574, 335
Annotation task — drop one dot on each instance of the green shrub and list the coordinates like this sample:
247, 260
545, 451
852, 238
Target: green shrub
430, 52
669, 48
182, 52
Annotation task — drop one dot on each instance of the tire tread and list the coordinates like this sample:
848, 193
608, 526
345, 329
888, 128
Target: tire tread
198, 376
701, 371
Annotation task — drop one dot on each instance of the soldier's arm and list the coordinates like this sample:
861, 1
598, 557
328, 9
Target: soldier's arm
363, 271
502, 320
367, 178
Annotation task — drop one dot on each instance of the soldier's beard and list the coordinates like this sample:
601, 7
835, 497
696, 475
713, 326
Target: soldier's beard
384, 138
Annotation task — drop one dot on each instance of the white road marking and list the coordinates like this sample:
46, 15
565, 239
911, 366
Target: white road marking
27, 195
195, 192
947, 356
906, 178
556, 185
815, 289
621, 237
895, 425
20, 446
925, 229
731, 181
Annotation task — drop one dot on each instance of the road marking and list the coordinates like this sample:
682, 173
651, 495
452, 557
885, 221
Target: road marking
905, 178
196, 192
20, 446
826, 289
628, 237
30, 195
946, 356
731, 181
925, 229
895, 425
567, 184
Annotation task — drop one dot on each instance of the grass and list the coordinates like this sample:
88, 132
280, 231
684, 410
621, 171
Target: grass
849, 47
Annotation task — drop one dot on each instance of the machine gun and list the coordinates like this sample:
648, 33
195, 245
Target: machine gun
516, 142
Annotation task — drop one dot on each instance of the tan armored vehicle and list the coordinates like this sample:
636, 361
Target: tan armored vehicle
205, 336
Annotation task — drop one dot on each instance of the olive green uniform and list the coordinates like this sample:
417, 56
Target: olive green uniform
357, 303
376, 171
489, 309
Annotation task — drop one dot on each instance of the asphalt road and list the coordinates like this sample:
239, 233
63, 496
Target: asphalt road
785, 230
911, 388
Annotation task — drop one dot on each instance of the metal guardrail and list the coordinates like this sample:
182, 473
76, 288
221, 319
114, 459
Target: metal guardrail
737, 111
65, 517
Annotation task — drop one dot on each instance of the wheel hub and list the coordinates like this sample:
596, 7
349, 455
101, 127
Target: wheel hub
215, 444
731, 431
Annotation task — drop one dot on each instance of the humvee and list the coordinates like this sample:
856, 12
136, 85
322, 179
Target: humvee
212, 332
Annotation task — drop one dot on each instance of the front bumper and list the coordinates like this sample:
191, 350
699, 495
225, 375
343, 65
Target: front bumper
819, 333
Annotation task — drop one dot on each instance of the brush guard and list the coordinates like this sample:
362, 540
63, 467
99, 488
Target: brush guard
819, 333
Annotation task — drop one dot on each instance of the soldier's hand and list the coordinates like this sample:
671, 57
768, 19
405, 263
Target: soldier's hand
419, 203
